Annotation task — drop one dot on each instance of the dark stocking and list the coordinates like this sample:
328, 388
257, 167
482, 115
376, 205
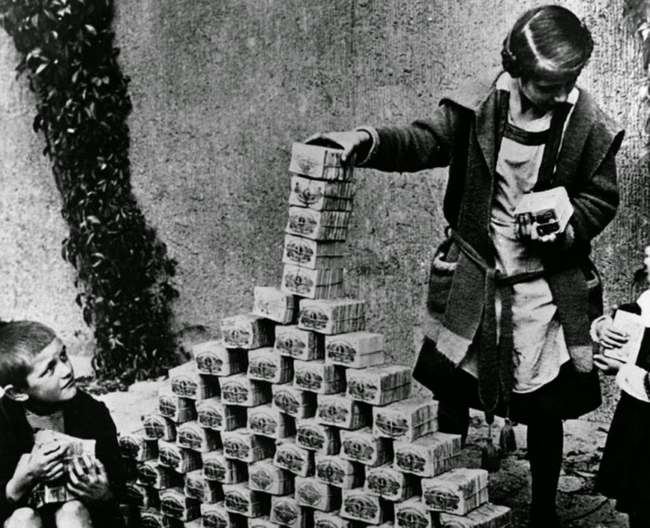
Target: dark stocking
545, 444
453, 417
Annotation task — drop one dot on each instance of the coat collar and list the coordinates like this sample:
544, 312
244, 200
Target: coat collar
480, 99
587, 122
14, 413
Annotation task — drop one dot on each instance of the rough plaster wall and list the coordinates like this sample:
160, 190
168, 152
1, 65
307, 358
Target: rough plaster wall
221, 89
35, 283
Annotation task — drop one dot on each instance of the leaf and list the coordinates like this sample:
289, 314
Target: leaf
122, 271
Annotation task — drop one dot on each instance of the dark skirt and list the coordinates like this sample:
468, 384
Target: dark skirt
570, 395
624, 472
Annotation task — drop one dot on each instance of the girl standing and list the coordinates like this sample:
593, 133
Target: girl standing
509, 303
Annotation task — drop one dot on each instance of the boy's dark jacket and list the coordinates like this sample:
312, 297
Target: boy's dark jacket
463, 133
84, 417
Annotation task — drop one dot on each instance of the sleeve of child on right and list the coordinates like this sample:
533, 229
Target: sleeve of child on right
634, 380
424, 144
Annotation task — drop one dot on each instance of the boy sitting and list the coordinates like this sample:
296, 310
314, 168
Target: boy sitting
40, 394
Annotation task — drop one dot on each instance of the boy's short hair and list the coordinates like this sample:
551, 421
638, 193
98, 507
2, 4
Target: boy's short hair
20, 341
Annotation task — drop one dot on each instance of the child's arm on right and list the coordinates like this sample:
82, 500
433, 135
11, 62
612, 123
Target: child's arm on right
43, 464
605, 333
635, 381
630, 378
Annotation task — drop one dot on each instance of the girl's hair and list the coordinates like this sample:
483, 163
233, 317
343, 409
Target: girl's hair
20, 341
546, 41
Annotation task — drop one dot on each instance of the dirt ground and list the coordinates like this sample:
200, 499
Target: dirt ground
579, 506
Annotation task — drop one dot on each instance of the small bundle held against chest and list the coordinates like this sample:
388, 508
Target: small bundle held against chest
548, 210
74, 448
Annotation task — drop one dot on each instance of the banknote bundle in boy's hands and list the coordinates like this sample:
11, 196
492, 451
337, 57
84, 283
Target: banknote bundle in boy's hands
75, 447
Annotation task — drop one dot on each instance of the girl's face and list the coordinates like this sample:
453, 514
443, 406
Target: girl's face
546, 94
646, 260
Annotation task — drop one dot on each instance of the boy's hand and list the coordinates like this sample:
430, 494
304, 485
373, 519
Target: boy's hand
45, 463
88, 479
607, 364
609, 336
352, 141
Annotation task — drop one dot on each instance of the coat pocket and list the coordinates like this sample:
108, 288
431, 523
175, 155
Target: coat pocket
441, 274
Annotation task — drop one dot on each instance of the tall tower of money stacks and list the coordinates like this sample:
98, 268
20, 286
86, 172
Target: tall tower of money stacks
294, 418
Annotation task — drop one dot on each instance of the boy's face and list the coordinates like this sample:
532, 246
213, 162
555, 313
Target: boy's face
51, 378
646, 261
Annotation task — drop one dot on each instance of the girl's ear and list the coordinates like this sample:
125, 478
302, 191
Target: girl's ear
15, 393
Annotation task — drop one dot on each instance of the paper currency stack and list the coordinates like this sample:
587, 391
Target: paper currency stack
56, 492
294, 418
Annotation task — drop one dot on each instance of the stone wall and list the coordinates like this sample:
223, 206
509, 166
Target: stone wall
221, 89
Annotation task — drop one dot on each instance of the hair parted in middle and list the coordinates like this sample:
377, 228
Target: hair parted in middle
547, 41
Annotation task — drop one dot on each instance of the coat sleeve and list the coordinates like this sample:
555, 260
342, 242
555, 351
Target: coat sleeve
91, 419
9, 456
108, 451
595, 198
424, 144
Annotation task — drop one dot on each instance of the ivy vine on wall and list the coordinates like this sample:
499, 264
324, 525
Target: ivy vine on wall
123, 272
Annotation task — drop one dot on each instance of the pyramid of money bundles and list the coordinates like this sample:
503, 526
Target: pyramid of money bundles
294, 418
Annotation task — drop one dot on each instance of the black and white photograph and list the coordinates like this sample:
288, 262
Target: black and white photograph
324, 263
